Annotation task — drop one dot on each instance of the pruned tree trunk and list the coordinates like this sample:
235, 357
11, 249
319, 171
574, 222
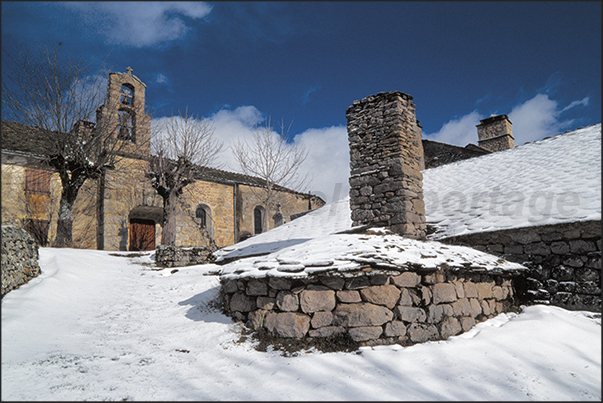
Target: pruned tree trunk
182, 147
168, 233
64, 236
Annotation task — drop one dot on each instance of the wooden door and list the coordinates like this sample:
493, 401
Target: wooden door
142, 234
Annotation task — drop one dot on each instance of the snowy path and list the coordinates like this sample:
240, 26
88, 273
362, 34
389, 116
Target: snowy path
100, 327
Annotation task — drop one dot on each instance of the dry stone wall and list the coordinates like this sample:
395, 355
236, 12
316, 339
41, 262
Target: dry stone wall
19, 258
564, 261
372, 307
386, 158
175, 256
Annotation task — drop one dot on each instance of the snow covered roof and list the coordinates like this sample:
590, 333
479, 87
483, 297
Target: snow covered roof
379, 249
551, 181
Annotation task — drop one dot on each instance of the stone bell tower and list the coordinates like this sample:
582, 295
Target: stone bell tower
386, 158
124, 112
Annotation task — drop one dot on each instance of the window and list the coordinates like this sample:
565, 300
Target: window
38, 229
37, 181
126, 95
125, 122
201, 216
258, 220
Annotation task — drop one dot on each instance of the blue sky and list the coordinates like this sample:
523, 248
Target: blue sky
306, 62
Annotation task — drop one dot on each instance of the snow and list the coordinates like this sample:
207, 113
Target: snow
552, 181
99, 326
346, 252
329, 219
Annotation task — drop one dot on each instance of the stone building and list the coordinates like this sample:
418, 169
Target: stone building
121, 211
534, 211
380, 282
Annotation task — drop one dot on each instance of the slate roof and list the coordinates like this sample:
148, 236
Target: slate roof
22, 138
17, 137
437, 153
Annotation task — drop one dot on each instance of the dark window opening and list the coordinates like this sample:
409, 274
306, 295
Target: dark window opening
201, 215
37, 181
38, 229
257, 220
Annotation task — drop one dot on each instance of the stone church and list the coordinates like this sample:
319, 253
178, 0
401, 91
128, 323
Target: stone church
121, 211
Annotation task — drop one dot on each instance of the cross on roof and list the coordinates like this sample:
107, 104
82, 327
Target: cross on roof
129, 70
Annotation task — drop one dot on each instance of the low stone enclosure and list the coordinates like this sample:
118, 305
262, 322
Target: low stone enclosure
19, 258
370, 297
379, 308
564, 261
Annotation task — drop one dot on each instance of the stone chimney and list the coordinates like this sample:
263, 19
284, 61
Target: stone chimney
386, 158
495, 133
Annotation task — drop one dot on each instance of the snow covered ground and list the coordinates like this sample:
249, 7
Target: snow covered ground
95, 326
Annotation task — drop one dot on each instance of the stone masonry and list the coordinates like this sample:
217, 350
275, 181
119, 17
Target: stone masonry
564, 261
372, 307
495, 133
386, 158
19, 258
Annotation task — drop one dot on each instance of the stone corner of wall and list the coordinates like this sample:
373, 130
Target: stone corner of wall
19, 258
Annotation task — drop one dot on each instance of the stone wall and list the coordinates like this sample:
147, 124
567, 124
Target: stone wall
386, 158
564, 261
19, 258
372, 307
174, 256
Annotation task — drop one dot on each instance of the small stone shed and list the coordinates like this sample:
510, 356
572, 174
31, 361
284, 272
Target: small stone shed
376, 287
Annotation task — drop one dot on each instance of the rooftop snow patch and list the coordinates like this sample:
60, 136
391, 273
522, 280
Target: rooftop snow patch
552, 181
380, 249
329, 219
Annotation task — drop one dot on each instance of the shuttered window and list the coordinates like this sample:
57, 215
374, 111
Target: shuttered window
37, 181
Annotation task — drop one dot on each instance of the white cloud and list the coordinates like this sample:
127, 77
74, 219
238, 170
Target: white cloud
312, 89
532, 120
460, 131
161, 79
140, 24
540, 117
328, 158
583, 102
328, 162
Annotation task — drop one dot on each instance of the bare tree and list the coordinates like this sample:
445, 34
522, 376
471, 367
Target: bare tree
272, 157
182, 147
57, 101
